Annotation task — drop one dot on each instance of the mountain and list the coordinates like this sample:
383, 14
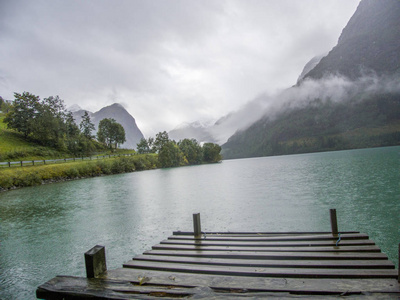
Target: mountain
350, 98
119, 113
196, 130
369, 43
226, 126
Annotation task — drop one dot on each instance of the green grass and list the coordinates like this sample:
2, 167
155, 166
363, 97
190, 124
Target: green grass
13, 147
16, 177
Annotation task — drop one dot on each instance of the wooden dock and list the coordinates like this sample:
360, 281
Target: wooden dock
226, 265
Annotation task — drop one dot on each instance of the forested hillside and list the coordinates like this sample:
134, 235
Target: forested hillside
368, 122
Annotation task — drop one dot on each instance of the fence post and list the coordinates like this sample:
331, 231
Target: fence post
21, 163
9, 164
33, 162
95, 261
196, 226
334, 225
44, 161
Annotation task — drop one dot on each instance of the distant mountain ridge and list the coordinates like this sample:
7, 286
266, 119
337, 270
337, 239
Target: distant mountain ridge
121, 115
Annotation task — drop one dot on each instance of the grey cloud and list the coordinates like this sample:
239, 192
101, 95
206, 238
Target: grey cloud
171, 61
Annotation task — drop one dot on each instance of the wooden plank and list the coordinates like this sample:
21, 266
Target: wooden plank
265, 284
68, 287
252, 233
270, 255
206, 242
170, 286
266, 272
336, 264
275, 238
366, 248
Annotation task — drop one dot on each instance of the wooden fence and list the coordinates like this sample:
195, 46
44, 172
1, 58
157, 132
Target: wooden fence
22, 163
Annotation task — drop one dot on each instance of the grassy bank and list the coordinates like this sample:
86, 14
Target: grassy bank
36, 175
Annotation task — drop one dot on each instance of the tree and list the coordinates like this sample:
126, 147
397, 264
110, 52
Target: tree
87, 126
24, 110
111, 133
211, 153
162, 139
143, 146
191, 150
170, 155
118, 133
71, 127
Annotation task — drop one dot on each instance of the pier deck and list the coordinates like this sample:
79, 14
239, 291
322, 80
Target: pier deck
237, 265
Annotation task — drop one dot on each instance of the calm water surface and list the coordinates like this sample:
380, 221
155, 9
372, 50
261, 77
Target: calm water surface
45, 230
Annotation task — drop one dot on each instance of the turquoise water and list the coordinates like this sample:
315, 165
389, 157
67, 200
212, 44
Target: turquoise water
45, 230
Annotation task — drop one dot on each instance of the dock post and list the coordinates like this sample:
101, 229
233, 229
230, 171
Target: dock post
334, 226
196, 226
95, 261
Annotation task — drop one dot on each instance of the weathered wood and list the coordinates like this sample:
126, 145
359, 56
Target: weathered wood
265, 272
367, 248
68, 287
334, 264
257, 265
305, 286
270, 255
262, 233
181, 285
196, 226
321, 237
95, 261
334, 225
316, 243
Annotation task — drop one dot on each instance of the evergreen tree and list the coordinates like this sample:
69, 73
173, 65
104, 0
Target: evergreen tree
87, 126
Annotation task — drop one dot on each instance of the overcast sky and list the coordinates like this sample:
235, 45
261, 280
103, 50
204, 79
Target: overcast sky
166, 61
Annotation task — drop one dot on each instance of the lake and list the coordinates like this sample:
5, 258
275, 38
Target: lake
45, 230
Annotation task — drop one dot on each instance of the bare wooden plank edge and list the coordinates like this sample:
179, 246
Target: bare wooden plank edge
234, 233
69, 287
274, 238
340, 248
334, 264
206, 242
60, 288
259, 284
265, 272
271, 255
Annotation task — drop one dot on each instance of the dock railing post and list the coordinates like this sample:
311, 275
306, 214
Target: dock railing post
334, 226
95, 261
196, 226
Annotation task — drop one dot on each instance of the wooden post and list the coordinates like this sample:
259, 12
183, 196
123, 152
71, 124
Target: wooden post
44, 161
95, 261
33, 162
9, 164
333, 221
196, 226
398, 267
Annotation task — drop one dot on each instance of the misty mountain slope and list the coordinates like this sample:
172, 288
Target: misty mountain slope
224, 127
350, 99
119, 113
369, 43
366, 121
196, 130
